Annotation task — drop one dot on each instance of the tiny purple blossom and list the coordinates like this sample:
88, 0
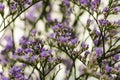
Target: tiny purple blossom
108, 68
106, 9
103, 22
63, 39
67, 34
95, 41
116, 57
34, 31
84, 2
55, 27
23, 40
19, 50
116, 9
74, 41
26, 56
59, 25
84, 45
98, 51
87, 52
30, 16
33, 58
52, 35
45, 53
2, 7
29, 50
118, 22
67, 2
97, 32
89, 21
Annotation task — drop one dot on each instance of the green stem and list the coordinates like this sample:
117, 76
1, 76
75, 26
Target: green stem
74, 69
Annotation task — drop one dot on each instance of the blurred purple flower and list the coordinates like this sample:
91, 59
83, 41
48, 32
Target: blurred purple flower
84, 45
89, 21
95, 41
34, 31
52, 35
31, 16
2, 7
116, 9
33, 58
16, 73
67, 2
74, 41
55, 27
108, 68
45, 53
19, 50
84, 2
106, 9
98, 51
118, 22
116, 57
97, 32
87, 52
63, 39
2, 76
23, 40
29, 50
103, 22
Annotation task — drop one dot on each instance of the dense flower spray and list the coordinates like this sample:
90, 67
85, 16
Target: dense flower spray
78, 38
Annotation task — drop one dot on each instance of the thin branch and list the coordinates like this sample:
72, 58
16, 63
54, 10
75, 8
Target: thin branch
18, 16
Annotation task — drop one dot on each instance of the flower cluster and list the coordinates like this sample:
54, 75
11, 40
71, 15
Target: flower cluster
81, 41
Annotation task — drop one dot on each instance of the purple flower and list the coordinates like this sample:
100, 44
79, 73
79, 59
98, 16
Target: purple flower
34, 31
33, 58
52, 35
30, 16
23, 40
27, 56
103, 22
55, 27
19, 50
13, 6
2, 7
89, 21
16, 73
29, 50
97, 32
67, 34
30, 42
87, 52
2, 77
108, 68
74, 41
116, 9
84, 2
84, 45
98, 51
67, 2
9, 43
116, 57
45, 53
118, 22
106, 9
63, 39
23, 65
95, 41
